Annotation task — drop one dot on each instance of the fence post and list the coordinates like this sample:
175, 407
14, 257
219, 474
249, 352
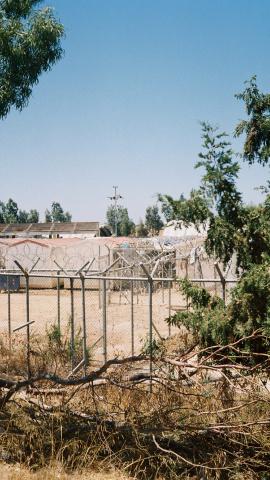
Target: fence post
150, 284
187, 277
9, 312
170, 304
162, 270
150, 290
215, 276
58, 298
104, 321
28, 329
26, 274
83, 319
223, 281
132, 318
72, 322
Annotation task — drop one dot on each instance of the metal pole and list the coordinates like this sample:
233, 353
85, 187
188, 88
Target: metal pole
84, 326
99, 293
72, 323
115, 198
187, 277
28, 328
120, 287
170, 304
150, 284
132, 318
9, 317
58, 299
150, 290
115, 210
104, 323
162, 284
99, 281
224, 290
25, 272
215, 276
222, 279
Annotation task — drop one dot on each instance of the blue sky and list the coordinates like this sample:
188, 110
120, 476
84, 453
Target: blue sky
123, 105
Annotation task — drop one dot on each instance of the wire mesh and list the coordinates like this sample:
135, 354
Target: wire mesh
97, 296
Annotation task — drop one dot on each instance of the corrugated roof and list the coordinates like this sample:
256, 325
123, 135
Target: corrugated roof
49, 228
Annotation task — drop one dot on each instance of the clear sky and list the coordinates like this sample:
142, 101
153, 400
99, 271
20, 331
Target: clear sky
122, 107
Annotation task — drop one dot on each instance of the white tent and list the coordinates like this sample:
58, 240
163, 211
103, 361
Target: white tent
176, 228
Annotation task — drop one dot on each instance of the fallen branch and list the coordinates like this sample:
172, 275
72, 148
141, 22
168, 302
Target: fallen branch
15, 387
183, 459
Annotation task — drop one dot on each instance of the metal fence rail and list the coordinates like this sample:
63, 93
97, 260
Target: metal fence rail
105, 313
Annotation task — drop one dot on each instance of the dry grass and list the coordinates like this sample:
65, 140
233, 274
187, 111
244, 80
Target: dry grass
17, 472
189, 427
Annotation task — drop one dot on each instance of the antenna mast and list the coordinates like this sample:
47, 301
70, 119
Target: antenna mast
115, 198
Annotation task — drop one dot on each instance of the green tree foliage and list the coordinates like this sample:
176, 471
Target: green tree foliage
30, 45
2, 212
10, 213
125, 226
233, 228
246, 319
57, 214
153, 220
166, 209
217, 203
141, 230
193, 210
257, 127
23, 216
33, 216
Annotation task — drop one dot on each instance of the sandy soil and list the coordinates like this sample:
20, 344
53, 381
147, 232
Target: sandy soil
16, 472
120, 314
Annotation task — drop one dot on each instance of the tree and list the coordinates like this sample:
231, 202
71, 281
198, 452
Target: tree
2, 212
30, 45
232, 226
153, 220
167, 211
57, 214
125, 226
23, 216
257, 128
33, 216
11, 212
48, 217
141, 230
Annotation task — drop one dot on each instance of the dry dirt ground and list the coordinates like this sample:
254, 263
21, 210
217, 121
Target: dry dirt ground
121, 314
16, 472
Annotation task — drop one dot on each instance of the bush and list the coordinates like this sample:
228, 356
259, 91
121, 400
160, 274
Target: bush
246, 318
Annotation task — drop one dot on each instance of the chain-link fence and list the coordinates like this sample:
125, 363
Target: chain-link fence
116, 313
96, 299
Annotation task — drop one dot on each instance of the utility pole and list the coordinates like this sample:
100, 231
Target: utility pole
115, 198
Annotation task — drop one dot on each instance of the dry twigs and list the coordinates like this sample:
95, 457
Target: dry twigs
191, 422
